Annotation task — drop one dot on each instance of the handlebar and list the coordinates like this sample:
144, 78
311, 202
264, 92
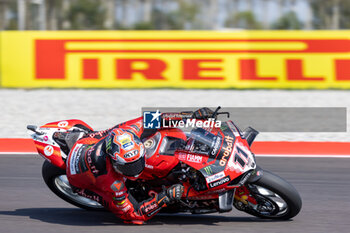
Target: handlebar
216, 113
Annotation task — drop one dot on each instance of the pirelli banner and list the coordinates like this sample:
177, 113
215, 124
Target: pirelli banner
176, 59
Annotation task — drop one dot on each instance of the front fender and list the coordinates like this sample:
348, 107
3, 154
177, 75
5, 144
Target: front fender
255, 175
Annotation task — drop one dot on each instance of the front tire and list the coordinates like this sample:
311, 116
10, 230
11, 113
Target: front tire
56, 179
277, 199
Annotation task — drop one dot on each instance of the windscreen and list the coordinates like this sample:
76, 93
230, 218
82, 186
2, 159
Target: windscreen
217, 145
204, 142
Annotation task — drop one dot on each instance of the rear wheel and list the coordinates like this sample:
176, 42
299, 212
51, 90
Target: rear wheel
275, 197
56, 179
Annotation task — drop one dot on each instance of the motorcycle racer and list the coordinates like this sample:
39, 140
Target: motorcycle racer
99, 164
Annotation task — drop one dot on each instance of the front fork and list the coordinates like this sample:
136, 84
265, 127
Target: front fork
243, 197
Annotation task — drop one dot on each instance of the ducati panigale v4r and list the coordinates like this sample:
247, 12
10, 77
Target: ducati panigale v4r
216, 167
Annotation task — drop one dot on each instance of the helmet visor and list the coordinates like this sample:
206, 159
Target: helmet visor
130, 169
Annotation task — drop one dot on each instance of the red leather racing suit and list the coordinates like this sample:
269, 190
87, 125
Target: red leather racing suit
90, 172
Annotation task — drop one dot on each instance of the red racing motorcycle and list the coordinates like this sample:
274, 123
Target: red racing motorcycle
215, 165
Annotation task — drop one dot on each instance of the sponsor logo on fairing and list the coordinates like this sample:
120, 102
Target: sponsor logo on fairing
194, 158
227, 150
48, 150
215, 177
62, 124
208, 170
216, 146
182, 156
246, 177
219, 182
190, 157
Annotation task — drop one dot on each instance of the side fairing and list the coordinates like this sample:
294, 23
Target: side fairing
67, 124
48, 148
160, 159
228, 158
45, 143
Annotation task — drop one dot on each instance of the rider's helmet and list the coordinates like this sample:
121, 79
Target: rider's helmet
126, 151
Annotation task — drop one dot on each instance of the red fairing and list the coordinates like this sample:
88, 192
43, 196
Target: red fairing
196, 161
51, 153
66, 124
235, 171
160, 165
195, 195
177, 133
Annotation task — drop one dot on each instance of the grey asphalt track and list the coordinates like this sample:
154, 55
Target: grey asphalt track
27, 205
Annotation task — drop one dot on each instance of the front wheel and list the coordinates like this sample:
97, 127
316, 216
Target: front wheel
56, 179
272, 198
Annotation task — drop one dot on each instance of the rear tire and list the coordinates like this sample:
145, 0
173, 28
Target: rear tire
53, 177
283, 189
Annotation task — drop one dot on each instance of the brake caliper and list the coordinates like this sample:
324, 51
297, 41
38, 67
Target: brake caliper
242, 195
